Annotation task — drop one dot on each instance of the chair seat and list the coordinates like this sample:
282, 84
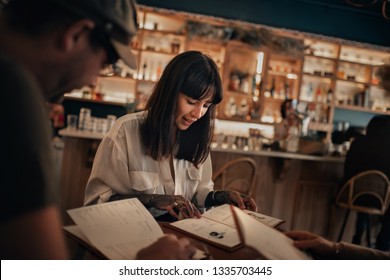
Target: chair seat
367, 192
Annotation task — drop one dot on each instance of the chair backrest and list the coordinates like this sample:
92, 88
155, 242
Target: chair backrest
238, 174
367, 192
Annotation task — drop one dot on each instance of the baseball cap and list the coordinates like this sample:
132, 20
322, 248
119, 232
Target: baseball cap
116, 18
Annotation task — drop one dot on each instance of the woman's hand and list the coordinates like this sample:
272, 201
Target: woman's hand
232, 197
168, 247
314, 243
175, 204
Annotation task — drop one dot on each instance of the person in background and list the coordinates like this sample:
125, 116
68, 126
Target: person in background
56, 116
367, 152
47, 48
326, 249
322, 248
162, 155
289, 119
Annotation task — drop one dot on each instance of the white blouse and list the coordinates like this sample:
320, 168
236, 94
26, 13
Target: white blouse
121, 167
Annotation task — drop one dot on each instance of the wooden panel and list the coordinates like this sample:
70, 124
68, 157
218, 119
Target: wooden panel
76, 168
312, 206
298, 191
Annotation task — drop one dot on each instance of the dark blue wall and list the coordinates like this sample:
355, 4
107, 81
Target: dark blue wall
334, 18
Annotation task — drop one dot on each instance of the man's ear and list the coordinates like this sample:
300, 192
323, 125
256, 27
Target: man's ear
76, 34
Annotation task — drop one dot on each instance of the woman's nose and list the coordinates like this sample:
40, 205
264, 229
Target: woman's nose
197, 112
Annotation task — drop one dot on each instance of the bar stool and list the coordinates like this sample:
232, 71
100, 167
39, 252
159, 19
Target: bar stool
367, 192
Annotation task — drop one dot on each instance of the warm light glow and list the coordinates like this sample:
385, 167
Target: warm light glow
292, 76
260, 58
258, 79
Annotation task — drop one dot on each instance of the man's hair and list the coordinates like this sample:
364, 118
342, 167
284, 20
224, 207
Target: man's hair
195, 75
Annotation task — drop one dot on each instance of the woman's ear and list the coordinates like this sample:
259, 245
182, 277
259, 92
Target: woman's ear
76, 35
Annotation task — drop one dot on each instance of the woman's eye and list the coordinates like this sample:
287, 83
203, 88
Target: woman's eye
207, 105
191, 102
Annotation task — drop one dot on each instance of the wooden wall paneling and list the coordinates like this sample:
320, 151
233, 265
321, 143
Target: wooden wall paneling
76, 168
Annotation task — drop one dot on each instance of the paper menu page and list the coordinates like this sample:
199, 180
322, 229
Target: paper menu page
224, 215
210, 230
271, 243
118, 229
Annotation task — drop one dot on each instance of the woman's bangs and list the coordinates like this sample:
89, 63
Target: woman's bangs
202, 88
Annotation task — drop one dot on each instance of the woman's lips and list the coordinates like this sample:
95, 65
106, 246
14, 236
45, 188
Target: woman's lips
188, 121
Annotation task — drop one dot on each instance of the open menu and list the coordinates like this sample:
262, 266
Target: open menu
217, 226
117, 229
270, 243
121, 228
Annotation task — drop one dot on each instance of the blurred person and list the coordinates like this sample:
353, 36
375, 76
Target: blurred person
49, 47
367, 152
289, 119
162, 155
56, 117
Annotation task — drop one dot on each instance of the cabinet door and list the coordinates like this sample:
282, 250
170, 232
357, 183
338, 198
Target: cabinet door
162, 37
282, 77
358, 87
316, 94
241, 79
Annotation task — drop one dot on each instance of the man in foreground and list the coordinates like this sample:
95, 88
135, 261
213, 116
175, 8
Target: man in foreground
49, 47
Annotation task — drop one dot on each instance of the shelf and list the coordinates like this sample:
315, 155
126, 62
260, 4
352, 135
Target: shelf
324, 127
361, 109
316, 102
147, 81
280, 74
353, 82
159, 52
273, 99
321, 57
239, 92
119, 78
241, 119
319, 76
163, 32
95, 101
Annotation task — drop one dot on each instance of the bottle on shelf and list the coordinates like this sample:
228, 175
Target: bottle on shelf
318, 94
159, 70
309, 92
329, 95
272, 89
144, 68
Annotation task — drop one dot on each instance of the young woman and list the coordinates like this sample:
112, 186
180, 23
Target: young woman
162, 155
289, 119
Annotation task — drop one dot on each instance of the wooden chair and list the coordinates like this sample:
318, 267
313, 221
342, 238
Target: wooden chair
237, 174
367, 192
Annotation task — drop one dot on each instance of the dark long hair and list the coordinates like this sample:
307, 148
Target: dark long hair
378, 129
283, 108
195, 75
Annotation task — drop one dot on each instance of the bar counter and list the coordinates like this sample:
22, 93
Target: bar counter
297, 188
